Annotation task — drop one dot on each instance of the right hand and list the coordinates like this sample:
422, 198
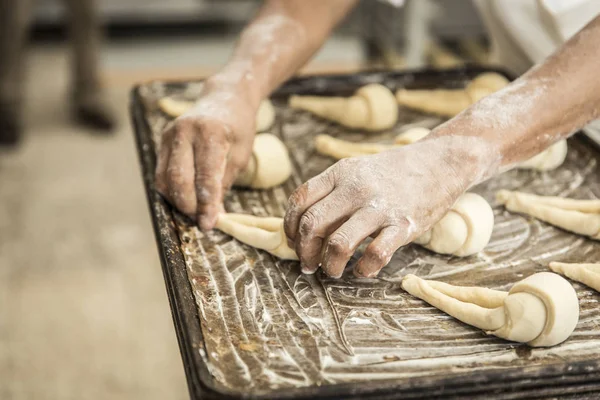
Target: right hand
202, 152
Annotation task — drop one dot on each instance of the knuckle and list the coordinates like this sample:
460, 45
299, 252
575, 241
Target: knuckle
177, 175
378, 255
338, 244
308, 222
183, 125
298, 197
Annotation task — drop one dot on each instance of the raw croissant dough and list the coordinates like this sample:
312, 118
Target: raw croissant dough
338, 149
465, 230
264, 233
269, 166
578, 216
541, 310
372, 107
174, 108
588, 274
450, 102
549, 159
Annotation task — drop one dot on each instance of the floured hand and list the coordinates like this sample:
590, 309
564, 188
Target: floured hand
394, 196
202, 152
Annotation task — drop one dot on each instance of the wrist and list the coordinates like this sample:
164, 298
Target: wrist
467, 160
236, 81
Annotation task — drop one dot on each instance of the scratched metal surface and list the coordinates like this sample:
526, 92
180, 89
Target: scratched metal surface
266, 326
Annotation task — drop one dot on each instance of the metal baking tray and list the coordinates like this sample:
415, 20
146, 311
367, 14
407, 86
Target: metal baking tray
252, 326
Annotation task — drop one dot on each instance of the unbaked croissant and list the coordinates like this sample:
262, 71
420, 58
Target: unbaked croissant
541, 310
373, 107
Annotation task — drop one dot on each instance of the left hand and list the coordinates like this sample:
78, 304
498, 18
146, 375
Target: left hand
394, 196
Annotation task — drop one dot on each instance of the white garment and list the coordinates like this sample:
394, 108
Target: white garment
525, 32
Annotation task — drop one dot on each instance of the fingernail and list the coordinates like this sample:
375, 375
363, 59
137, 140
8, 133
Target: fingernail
330, 274
308, 271
358, 272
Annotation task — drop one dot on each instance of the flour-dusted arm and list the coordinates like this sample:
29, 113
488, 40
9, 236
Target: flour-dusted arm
398, 195
202, 151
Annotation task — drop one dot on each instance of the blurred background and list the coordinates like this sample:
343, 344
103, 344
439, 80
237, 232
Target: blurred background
83, 309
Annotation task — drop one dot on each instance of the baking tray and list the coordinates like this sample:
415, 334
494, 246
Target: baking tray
252, 326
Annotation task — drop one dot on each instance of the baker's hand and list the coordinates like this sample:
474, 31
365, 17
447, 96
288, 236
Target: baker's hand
394, 196
202, 152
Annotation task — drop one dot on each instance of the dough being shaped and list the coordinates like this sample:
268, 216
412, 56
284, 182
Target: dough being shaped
338, 149
265, 115
577, 216
264, 233
269, 166
549, 159
372, 107
450, 102
541, 310
465, 229
588, 274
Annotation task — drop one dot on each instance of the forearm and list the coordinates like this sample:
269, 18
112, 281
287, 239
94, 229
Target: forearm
281, 38
548, 103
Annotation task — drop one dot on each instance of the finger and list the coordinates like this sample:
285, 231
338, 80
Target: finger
180, 175
317, 223
238, 161
210, 164
379, 252
305, 196
161, 165
342, 244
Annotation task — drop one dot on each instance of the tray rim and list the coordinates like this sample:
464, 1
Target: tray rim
572, 377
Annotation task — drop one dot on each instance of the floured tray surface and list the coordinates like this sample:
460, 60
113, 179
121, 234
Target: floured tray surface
266, 327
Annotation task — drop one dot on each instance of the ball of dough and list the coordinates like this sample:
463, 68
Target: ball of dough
485, 84
412, 135
269, 166
465, 230
383, 109
561, 308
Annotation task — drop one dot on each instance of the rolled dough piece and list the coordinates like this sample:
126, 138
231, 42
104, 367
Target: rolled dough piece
588, 274
450, 102
269, 166
465, 230
541, 310
442, 57
465, 236
549, 159
265, 115
338, 149
372, 107
577, 216
264, 233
